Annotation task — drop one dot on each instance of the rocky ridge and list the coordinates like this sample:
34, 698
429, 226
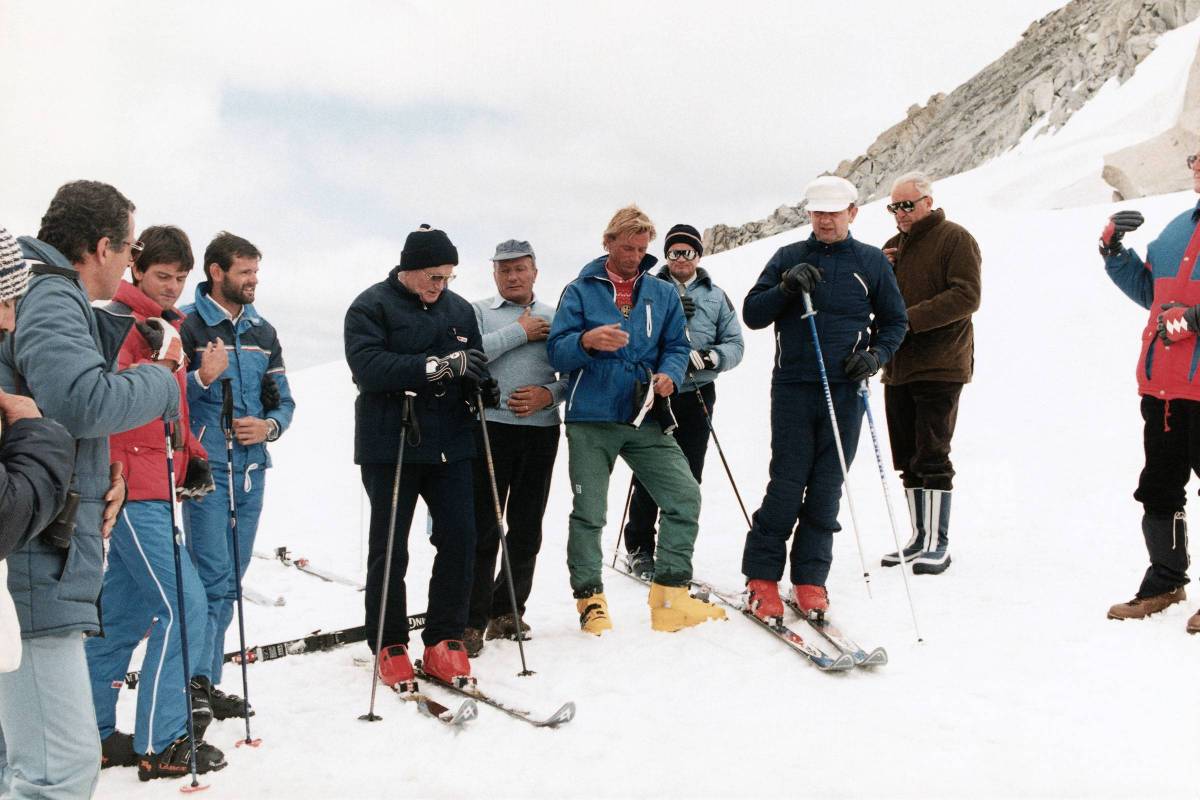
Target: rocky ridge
1059, 63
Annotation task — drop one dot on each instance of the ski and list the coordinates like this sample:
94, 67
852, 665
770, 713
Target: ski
408, 691
832, 634
282, 555
260, 599
564, 714
818, 657
315, 642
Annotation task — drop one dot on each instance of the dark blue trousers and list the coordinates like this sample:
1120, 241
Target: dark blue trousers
446, 490
805, 487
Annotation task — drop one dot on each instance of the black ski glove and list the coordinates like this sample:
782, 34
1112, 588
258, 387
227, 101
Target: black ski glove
197, 480
1118, 225
465, 364
800, 278
861, 365
698, 361
269, 394
689, 306
489, 390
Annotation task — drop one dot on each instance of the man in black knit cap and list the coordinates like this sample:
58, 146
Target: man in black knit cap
410, 337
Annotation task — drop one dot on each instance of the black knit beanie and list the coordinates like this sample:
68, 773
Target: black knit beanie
685, 235
426, 248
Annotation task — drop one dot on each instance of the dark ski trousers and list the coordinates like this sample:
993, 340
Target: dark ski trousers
692, 435
920, 420
1171, 438
445, 488
523, 457
805, 487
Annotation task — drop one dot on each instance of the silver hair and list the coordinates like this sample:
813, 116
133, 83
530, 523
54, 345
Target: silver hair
920, 181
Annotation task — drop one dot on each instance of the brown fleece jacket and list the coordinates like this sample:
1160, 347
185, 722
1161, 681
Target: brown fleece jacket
938, 269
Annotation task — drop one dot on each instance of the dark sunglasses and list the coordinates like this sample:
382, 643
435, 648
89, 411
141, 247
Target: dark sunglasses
682, 255
1191, 161
904, 205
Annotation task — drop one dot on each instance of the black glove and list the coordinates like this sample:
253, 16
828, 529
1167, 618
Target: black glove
800, 278
861, 365
689, 306
1119, 224
1178, 322
269, 395
698, 361
197, 480
465, 364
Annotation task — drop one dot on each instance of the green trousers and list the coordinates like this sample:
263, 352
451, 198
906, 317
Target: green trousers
660, 465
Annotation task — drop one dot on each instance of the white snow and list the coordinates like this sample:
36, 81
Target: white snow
1022, 687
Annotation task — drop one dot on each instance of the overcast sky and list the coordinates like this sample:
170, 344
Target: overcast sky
324, 138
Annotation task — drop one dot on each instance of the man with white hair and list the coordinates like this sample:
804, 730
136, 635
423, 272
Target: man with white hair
860, 322
937, 268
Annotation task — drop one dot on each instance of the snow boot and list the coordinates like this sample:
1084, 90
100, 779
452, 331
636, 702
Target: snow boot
175, 761
593, 613
936, 557
1193, 623
1166, 542
505, 627
447, 661
116, 750
918, 518
395, 669
812, 600
1142, 607
763, 600
672, 608
473, 641
640, 564
202, 713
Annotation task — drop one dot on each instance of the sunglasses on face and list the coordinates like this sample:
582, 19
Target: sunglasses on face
135, 249
1191, 161
682, 255
439, 280
904, 205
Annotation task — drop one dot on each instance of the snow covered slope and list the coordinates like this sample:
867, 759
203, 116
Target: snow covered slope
1022, 687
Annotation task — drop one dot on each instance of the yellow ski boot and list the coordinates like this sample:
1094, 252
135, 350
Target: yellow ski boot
672, 608
593, 614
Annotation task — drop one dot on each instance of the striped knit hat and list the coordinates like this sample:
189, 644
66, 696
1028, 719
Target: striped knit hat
14, 272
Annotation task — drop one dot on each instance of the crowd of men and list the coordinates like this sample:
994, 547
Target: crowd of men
115, 415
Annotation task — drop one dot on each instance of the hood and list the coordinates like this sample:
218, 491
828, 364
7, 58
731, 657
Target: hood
36, 250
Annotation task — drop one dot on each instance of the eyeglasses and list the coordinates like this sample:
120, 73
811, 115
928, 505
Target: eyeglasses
438, 280
904, 205
682, 255
1191, 161
135, 249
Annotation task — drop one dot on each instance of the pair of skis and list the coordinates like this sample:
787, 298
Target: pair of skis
848, 654
284, 556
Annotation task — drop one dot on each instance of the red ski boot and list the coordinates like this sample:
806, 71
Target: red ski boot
812, 600
396, 670
764, 600
447, 661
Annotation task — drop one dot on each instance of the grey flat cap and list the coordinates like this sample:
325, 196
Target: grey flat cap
513, 248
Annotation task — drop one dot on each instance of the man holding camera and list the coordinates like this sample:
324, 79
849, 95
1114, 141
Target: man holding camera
65, 359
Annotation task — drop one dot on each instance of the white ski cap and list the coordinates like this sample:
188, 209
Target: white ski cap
830, 193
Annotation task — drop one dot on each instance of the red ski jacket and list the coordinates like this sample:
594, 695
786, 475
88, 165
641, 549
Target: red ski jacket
143, 451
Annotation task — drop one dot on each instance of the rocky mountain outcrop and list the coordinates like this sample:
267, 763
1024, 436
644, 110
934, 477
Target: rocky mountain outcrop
1059, 63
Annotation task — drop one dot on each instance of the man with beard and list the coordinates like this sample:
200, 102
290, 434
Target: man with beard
223, 320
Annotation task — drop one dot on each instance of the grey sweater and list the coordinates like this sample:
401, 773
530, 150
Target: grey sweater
514, 361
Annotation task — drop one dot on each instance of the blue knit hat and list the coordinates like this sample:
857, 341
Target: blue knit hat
14, 272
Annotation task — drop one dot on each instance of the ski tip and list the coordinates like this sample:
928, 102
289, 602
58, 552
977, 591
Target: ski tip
565, 714
876, 658
842, 663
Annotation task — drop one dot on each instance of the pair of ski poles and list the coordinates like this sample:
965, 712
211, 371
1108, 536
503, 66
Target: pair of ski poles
177, 545
406, 420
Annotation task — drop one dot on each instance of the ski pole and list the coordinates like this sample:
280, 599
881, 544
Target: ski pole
176, 545
624, 516
227, 429
720, 452
508, 577
837, 436
405, 414
865, 391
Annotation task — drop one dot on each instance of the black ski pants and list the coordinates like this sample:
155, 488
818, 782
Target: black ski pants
692, 434
523, 456
920, 419
1171, 438
446, 489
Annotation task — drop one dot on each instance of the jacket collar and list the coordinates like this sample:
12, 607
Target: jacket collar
924, 226
701, 275
142, 305
836, 247
1195, 213
212, 313
598, 268
498, 301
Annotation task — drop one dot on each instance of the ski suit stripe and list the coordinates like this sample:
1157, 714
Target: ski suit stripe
162, 653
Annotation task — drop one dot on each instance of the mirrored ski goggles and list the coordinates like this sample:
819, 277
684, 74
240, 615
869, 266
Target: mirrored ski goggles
682, 255
904, 205
1191, 161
